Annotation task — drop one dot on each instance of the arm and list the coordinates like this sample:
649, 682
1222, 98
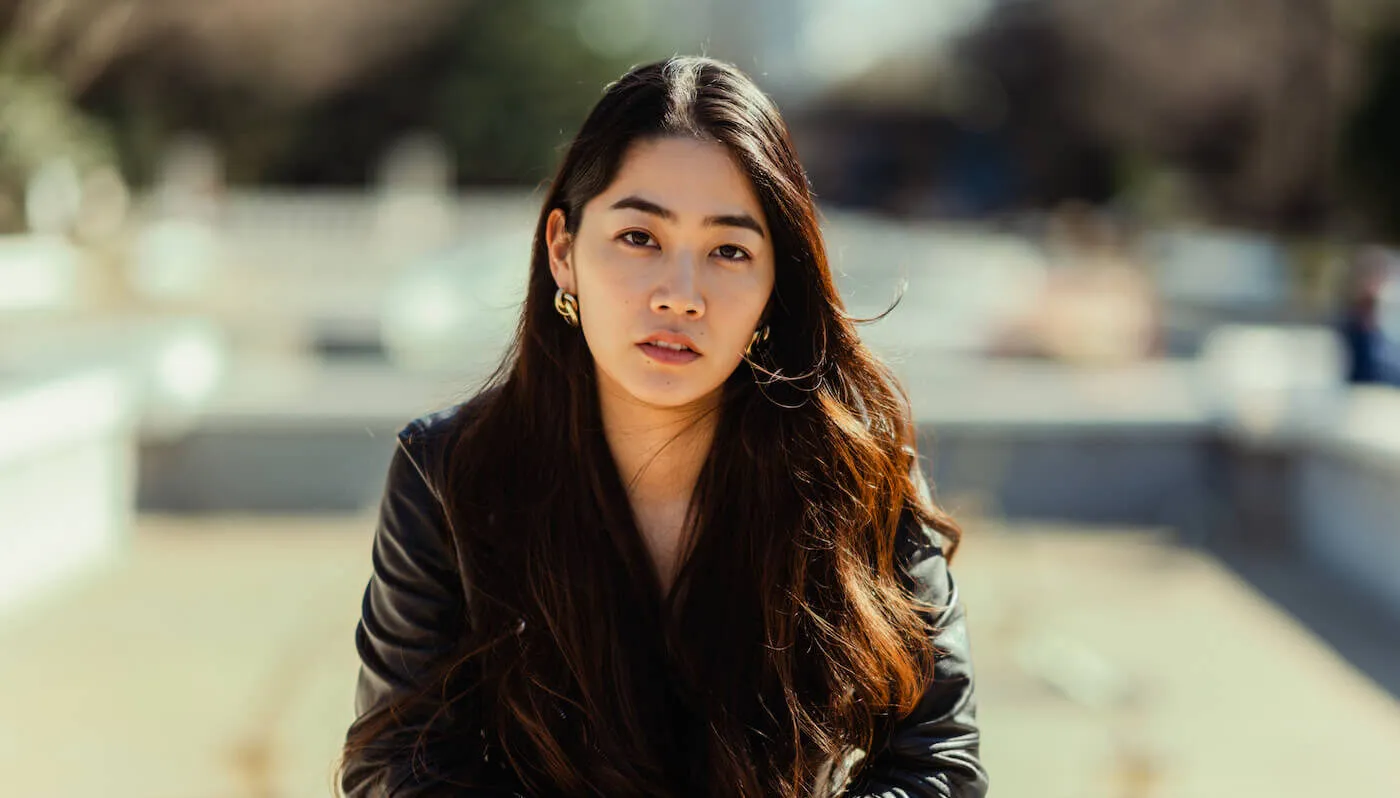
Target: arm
413, 606
933, 753
413, 611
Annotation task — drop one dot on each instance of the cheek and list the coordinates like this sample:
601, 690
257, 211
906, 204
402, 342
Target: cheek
741, 303
610, 296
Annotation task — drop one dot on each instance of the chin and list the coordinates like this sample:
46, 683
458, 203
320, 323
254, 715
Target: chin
669, 390
664, 388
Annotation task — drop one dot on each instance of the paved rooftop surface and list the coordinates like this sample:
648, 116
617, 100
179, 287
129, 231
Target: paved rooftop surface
215, 659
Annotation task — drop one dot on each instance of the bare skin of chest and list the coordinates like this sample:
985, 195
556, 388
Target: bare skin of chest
662, 527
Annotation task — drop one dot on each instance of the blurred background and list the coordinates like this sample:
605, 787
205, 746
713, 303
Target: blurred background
1150, 328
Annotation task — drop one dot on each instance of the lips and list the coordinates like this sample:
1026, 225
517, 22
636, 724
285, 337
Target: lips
661, 354
671, 340
669, 348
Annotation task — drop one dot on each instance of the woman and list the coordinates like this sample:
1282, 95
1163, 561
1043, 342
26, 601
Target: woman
679, 545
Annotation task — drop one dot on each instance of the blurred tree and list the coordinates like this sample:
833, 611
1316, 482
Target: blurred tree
504, 86
314, 91
239, 71
1371, 142
1242, 97
1229, 110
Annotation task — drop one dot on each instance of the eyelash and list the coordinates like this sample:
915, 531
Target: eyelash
743, 252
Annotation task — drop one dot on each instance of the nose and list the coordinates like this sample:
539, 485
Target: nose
679, 290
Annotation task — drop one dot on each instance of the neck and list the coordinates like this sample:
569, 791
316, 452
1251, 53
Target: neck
659, 451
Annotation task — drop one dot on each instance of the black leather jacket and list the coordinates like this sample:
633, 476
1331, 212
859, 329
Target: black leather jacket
415, 601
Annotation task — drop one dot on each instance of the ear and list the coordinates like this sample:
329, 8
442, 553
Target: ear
559, 244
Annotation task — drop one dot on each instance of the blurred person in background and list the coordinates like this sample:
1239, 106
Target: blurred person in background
1372, 354
1097, 306
680, 543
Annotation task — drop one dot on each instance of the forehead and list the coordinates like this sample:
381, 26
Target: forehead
694, 178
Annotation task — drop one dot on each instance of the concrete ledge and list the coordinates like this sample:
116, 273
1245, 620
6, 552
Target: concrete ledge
1143, 446
292, 436
1088, 475
1347, 501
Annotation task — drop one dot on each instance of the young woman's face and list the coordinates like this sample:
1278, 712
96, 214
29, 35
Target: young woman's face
676, 249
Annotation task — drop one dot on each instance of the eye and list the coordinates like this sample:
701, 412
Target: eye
731, 252
636, 238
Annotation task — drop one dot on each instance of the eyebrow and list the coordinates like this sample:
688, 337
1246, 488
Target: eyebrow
742, 220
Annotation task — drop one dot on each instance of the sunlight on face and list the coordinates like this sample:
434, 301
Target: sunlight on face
678, 245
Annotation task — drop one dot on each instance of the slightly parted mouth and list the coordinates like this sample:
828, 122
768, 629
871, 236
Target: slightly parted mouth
671, 339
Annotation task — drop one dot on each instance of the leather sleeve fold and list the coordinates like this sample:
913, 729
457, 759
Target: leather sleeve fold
413, 612
934, 752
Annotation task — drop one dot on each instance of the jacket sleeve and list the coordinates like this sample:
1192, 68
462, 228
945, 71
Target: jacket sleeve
935, 750
413, 611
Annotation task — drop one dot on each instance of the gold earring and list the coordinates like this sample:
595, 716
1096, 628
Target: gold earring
759, 335
567, 305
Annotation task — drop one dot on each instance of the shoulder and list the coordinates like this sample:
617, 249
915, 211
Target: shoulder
427, 438
916, 540
923, 564
921, 549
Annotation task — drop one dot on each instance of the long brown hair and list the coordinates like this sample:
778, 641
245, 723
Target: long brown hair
790, 634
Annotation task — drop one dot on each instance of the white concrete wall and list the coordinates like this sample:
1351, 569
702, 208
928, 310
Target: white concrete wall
67, 477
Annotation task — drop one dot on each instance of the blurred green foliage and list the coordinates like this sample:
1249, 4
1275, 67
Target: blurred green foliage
517, 86
503, 85
39, 124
